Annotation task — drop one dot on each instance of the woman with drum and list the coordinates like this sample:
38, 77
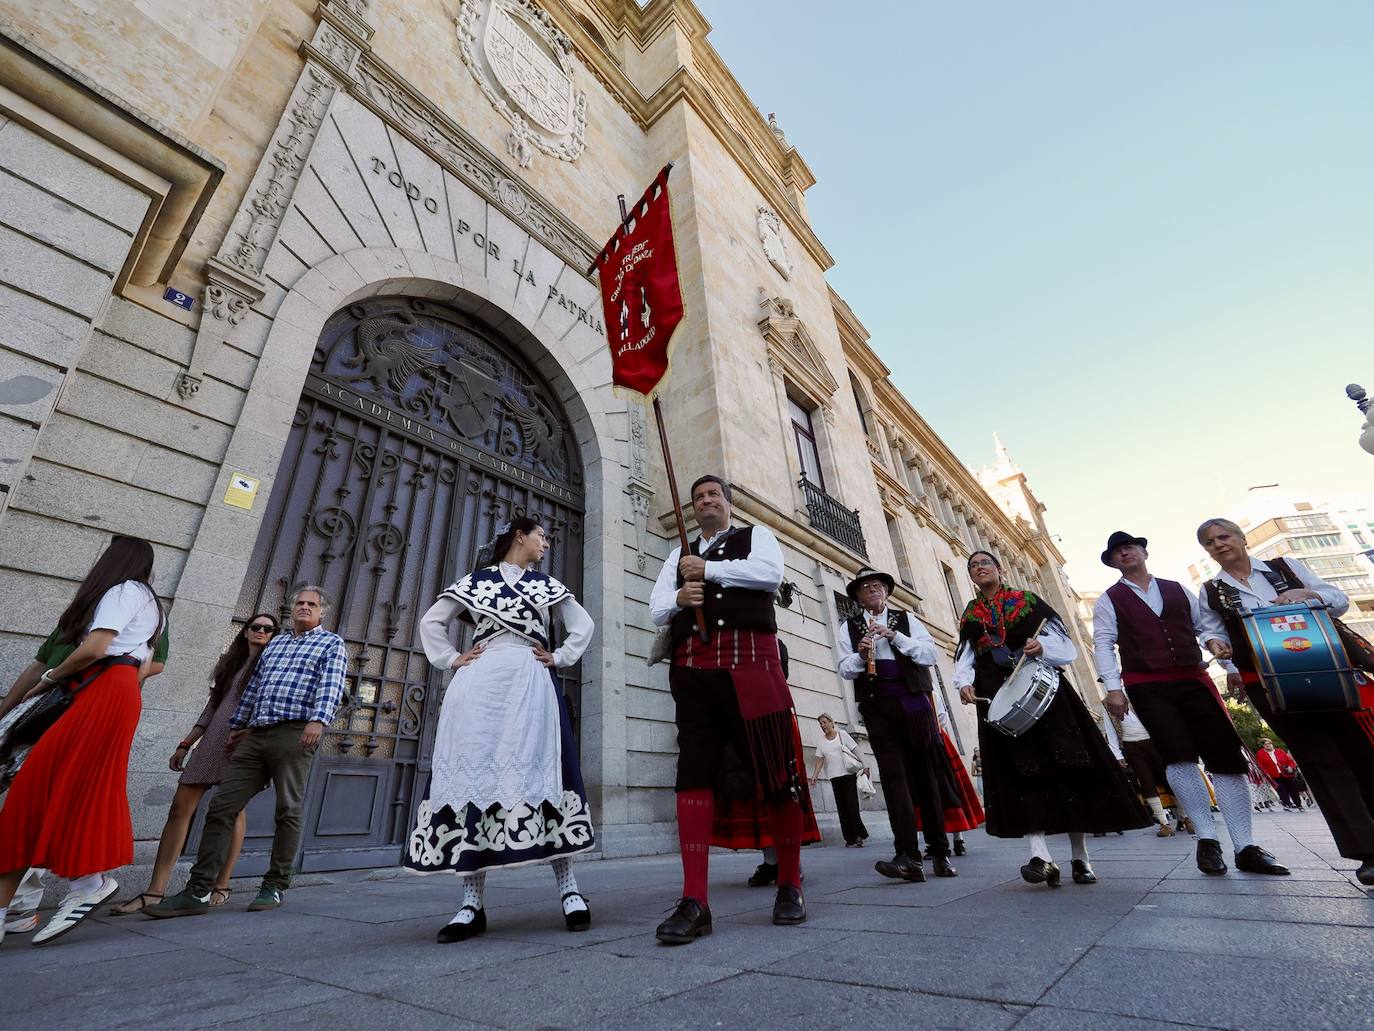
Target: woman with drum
1057, 776
1333, 748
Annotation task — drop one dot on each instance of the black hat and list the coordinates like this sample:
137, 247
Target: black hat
870, 574
1118, 539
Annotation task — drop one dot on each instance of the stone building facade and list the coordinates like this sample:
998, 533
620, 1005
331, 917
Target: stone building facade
299, 291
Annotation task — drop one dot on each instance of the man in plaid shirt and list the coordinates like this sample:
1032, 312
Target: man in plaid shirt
291, 697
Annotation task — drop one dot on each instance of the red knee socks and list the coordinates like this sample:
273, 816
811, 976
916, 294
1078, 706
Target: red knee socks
787, 832
695, 811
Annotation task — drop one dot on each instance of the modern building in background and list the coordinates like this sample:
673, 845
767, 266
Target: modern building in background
299, 292
1335, 537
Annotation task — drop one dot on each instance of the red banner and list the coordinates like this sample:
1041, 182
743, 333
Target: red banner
640, 290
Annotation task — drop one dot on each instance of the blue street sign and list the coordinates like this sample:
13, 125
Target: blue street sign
178, 298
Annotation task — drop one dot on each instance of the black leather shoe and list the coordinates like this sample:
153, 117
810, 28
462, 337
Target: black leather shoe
789, 907
1083, 873
1253, 859
902, 867
764, 875
1209, 859
1365, 874
960, 849
943, 867
1037, 871
578, 919
457, 932
690, 920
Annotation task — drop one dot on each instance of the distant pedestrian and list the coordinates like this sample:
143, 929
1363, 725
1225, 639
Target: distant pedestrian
290, 699
206, 764
838, 759
68, 807
1283, 771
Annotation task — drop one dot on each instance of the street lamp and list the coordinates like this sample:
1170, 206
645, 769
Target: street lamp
1356, 393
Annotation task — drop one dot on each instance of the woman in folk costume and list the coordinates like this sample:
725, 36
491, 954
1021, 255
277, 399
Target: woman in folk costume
963, 810
1059, 776
506, 788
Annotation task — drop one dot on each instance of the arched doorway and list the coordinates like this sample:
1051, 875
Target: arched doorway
419, 430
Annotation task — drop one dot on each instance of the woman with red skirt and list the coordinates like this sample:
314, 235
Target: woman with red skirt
68, 807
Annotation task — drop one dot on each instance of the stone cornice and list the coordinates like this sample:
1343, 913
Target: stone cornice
711, 90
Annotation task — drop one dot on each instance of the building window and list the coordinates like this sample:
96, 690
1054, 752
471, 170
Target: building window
863, 407
805, 436
1316, 542
894, 533
955, 605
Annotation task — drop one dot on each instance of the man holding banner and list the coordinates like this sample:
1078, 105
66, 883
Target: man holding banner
740, 763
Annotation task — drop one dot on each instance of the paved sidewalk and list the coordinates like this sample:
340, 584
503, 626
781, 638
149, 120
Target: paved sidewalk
1154, 945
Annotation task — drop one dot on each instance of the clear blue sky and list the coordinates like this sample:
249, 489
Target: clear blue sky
1106, 231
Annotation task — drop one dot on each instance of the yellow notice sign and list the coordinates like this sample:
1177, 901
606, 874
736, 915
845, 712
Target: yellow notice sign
241, 491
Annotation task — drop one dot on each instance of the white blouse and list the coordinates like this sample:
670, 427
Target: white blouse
919, 647
441, 650
1059, 652
131, 611
832, 751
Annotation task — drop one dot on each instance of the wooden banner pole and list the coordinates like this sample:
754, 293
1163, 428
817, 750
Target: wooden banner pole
698, 610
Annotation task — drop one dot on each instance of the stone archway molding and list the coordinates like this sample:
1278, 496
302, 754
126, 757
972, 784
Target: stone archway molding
577, 368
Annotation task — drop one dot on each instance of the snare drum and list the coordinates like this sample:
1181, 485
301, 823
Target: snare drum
1024, 698
1300, 659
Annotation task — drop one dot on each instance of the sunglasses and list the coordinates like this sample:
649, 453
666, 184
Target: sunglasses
262, 628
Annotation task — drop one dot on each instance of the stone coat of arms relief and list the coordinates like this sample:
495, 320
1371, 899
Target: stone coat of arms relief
524, 66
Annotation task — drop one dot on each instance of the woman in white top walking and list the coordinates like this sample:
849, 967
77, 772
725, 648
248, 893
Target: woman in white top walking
68, 808
838, 759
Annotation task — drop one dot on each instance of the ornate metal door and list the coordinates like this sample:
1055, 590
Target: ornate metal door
417, 433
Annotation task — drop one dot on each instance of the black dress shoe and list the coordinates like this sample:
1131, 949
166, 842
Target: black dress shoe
1083, 873
960, 849
943, 867
578, 919
789, 907
764, 875
1037, 871
1365, 874
1253, 859
902, 867
454, 931
690, 920
1209, 859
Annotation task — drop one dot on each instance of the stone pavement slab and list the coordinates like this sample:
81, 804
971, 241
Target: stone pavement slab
1154, 944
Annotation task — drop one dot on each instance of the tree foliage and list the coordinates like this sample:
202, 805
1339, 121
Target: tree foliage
1249, 725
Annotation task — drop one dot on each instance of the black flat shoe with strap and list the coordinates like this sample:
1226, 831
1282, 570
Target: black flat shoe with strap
456, 931
578, 919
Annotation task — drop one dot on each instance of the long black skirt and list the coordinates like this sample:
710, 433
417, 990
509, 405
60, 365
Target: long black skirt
1059, 776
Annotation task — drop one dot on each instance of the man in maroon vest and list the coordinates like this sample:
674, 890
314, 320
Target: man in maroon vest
1154, 625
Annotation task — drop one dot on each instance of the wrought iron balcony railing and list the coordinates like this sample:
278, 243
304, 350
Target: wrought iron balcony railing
833, 519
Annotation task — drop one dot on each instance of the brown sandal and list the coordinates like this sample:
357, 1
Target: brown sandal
219, 896
137, 904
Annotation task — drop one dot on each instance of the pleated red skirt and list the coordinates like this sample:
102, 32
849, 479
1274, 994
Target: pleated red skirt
68, 807
967, 812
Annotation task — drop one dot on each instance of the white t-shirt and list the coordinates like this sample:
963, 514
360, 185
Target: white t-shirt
831, 750
131, 611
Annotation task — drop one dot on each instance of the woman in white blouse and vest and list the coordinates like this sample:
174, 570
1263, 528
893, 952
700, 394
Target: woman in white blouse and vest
506, 787
839, 761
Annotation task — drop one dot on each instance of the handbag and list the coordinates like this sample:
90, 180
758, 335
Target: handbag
852, 763
865, 785
38, 715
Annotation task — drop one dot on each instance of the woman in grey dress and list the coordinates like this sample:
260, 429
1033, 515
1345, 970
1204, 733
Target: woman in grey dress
205, 766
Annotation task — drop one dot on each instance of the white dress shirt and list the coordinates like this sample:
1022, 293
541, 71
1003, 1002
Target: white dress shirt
761, 571
1059, 652
1105, 627
1256, 592
918, 646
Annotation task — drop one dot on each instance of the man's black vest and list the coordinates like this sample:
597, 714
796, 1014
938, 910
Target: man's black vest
727, 608
917, 677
